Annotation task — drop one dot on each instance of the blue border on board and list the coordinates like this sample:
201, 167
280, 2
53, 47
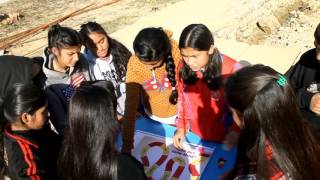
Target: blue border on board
212, 171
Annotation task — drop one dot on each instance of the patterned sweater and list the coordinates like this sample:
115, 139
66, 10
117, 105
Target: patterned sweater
152, 89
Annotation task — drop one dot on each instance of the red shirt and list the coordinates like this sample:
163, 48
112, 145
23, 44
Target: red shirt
248, 170
276, 173
202, 110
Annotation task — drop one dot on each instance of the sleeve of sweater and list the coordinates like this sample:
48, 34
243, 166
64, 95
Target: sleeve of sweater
295, 75
24, 163
183, 118
133, 89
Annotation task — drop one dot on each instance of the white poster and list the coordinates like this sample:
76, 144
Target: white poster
161, 160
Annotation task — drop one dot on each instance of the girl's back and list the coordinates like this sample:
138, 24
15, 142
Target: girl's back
31, 148
89, 149
32, 153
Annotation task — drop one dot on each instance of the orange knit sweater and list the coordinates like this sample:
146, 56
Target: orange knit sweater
141, 87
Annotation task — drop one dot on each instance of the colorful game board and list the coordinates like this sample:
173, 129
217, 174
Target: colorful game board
163, 161
200, 159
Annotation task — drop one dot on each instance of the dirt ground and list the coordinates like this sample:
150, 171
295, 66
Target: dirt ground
265, 22
284, 23
37, 12
304, 18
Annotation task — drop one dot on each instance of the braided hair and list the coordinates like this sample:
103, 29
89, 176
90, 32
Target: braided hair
152, 44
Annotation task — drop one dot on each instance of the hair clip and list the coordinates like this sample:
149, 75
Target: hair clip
282, 80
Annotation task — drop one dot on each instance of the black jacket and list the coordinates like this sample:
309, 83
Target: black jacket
31, 154
304, 75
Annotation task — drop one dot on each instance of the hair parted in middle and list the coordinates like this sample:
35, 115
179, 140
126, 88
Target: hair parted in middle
153, 44
199, 37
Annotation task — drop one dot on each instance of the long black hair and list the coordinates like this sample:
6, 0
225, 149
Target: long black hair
268, 108
317, 34
199, 37
20, 98
152, 44
88, 151
120, 53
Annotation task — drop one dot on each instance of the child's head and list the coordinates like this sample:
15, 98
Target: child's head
18, 69
94, 108
106, 85
196, 45
317, 41
89, 147
199, 54
95, 38
25, 107
97, 41
260, 95
152, 47
264, 105
65, 44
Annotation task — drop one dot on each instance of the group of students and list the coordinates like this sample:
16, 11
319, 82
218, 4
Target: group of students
96, 94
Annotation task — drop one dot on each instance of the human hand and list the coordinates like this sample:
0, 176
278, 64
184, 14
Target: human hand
315, 103
178, 138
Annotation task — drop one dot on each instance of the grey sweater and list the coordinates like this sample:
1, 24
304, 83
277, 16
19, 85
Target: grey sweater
60, 86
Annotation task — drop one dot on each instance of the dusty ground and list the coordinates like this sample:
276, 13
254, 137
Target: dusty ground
299, 26
37, 12
285, 22
265, 22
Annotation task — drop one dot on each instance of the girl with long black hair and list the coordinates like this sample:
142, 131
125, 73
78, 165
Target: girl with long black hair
202, 108
276, 141
107, 58
151, 81
89, 148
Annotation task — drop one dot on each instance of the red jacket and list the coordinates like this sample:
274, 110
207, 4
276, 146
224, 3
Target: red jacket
202, 110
